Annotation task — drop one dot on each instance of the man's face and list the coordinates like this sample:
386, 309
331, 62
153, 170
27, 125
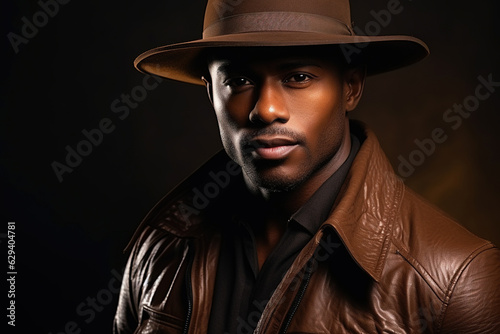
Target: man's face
282, 115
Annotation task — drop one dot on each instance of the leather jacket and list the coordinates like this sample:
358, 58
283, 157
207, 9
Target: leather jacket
401, 266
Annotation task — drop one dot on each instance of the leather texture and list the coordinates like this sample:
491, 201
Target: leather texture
400, 265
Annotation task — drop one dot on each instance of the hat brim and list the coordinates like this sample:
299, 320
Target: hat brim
186, 62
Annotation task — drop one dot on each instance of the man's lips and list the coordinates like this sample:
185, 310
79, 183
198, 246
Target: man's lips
272, 148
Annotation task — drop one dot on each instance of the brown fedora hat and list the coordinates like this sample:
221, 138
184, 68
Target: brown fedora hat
279, 23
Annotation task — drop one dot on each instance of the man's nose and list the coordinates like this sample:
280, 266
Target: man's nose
270, 106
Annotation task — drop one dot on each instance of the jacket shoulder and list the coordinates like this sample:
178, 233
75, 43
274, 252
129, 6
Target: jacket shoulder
184, 210
423, 226
436, 246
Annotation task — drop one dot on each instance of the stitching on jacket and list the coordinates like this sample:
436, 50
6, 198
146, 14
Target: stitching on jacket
456, 278
163, 318
398, 199
184, 256
405, 254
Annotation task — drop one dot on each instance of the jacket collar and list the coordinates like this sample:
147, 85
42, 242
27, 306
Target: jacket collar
367, 205
362, 215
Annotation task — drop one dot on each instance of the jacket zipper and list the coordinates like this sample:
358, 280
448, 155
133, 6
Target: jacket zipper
297, 300
189, 289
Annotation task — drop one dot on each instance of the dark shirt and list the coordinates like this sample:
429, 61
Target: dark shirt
242, 291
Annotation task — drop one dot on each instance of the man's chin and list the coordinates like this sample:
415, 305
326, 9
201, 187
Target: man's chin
273, 182
277, 187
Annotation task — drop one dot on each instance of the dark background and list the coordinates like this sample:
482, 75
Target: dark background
70, 235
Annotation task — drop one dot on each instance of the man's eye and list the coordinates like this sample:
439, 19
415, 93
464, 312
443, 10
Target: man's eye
237, 82
298, 78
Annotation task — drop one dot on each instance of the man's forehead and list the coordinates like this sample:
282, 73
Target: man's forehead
282, 57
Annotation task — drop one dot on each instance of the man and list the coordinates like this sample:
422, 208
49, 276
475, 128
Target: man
300, 225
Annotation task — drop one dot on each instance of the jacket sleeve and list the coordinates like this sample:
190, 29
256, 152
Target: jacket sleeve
474, 296
126, 317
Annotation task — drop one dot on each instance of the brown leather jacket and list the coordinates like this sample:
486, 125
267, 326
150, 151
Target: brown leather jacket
402, 266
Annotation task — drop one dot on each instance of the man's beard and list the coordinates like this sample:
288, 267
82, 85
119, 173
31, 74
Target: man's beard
255, 173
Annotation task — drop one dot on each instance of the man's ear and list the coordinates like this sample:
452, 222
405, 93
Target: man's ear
208, 84
354, 83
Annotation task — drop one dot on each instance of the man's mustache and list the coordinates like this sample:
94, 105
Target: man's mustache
248, 142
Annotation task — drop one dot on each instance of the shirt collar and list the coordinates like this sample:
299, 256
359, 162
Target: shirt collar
317, 209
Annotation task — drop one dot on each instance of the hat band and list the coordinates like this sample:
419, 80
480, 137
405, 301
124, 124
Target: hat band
277, 21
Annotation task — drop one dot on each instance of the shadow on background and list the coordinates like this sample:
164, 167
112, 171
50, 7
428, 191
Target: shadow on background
74, 75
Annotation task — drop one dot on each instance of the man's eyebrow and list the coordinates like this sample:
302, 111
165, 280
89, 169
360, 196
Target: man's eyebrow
227, 66
290, 65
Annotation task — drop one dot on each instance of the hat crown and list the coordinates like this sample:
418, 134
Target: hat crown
224, 17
